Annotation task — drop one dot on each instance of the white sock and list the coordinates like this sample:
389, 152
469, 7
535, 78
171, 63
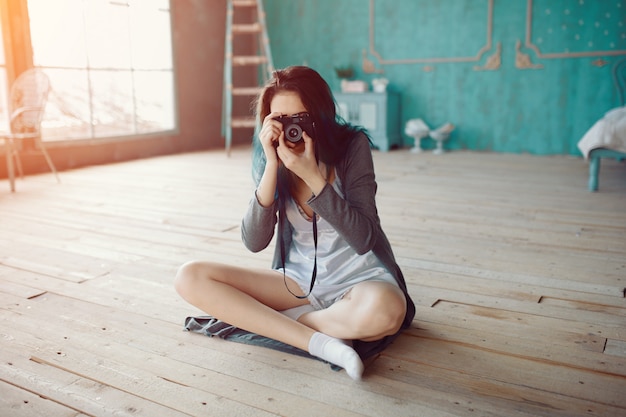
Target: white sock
337, 352
296, 312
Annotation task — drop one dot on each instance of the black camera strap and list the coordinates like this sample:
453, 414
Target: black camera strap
282, 218
283, 254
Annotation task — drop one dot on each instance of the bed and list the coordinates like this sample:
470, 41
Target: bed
607, 137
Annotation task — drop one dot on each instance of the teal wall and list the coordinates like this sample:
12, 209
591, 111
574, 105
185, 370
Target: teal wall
541, 110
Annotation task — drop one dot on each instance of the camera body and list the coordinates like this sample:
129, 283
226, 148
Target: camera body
294, 125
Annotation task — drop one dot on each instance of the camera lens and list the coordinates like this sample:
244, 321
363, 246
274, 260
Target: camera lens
293, 133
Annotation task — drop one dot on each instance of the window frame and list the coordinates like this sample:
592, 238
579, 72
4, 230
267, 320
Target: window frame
18, 57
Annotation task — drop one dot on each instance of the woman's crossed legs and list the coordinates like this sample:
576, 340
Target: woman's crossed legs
252, 299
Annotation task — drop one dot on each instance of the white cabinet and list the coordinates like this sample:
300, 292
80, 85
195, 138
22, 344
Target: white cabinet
379, 113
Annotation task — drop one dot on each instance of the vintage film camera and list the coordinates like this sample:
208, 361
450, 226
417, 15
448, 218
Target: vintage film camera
294, 125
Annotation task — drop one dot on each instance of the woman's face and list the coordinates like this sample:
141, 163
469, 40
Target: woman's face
287, 103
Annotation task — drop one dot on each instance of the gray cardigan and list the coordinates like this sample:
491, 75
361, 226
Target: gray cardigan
355, 217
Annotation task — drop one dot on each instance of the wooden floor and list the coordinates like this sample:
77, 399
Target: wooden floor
517, 270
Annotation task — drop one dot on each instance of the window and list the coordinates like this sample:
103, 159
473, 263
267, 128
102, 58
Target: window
110, 66
4, 112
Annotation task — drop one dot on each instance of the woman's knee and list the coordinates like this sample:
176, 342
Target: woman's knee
383, 310
189, 275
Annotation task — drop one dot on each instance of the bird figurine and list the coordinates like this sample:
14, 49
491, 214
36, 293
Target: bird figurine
441, 134
417, 129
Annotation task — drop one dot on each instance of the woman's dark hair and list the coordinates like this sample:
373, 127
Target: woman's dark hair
332, 134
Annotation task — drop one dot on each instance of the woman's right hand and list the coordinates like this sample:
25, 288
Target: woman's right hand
269, 136
270, 132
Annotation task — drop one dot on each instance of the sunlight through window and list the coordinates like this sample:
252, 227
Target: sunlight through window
4, 114
110, 65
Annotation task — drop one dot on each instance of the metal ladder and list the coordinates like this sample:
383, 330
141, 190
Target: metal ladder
262, 60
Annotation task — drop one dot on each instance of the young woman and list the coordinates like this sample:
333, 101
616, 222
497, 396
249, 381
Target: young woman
334, 289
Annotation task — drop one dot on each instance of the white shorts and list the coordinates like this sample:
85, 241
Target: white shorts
324, 295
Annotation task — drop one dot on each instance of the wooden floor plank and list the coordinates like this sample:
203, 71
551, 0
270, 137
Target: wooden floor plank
567, 381
149, 390
566, 349
616, 348
520, 291
500, 393
67, 390
544, 323
15, 401
600, 316
515, 277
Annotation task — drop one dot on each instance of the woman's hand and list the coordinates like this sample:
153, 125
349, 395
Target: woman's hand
269, 137
270, 132
301, 162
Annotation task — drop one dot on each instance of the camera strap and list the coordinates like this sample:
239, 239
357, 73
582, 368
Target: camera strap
283, 255
282, 218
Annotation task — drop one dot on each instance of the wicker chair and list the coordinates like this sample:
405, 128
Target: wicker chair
27, 103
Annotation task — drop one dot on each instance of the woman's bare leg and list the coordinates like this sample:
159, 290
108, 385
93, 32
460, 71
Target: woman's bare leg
370, 311
246, 298
249, 299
